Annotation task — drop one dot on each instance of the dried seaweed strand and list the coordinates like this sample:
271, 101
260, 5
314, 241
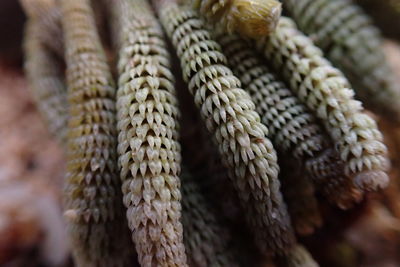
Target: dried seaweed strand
230, 116
205, 240
353, 44
149, 152
93, 199
327, 93
249, 18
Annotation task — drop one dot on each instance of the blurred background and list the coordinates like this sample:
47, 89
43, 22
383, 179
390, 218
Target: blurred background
32, 167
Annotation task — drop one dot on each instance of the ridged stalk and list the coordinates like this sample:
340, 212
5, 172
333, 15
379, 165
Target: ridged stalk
354, 45
47, 15
297, 257
293, 129
205, 239
149, 152
93, 200
44, 73
328, 94
230, 116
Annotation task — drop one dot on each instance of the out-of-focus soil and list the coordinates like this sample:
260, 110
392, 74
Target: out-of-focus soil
31, 171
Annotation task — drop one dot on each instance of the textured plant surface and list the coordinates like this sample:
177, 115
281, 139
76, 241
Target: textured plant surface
250, 18
292, 128
45, 75
149, 154
328, 94
93, 201
297, 257
205, 240
352, 43
124, 144
229, 114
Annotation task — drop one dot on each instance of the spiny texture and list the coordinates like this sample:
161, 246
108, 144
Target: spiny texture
297, 257
249, 18
205, 240
292, 128
93, 200
353, 44
149, 153
230, 116
328, 94
45, 75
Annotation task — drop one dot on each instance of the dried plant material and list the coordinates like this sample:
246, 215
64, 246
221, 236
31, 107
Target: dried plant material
353, 44
230, 116
93, 198
249, 18
292, 128
297, 257
149, 152
45, 76
328, 94
206, 241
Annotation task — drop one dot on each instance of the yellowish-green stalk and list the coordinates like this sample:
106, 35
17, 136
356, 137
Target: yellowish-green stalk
93, 200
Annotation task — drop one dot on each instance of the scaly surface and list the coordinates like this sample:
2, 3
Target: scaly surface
149, 152
353, 44
92, 196
45, 76
230, 116
328, 94
205, 240
292, 127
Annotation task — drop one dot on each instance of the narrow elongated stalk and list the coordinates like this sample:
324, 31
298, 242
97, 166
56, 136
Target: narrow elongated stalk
249, 18
47, 15
353, 44
230, 116
292, 127
45, 76
297, 257
328, 94
93, 199
149, 152
205, 240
